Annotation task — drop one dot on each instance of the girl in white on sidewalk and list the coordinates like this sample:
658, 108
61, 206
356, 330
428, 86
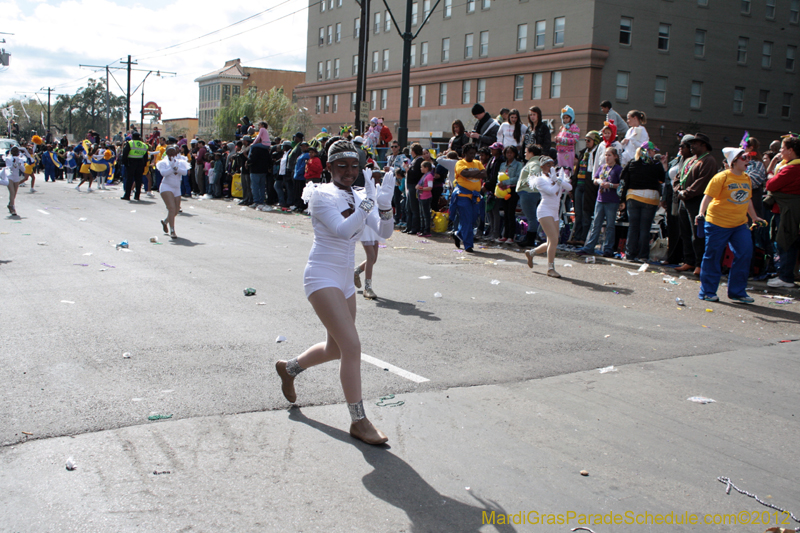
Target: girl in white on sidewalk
172, 168
551, 185
339, 214
634, 137
512, 132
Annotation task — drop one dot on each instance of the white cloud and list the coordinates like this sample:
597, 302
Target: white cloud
52, 38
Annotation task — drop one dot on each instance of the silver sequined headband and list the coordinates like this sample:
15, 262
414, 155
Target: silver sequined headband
342, 155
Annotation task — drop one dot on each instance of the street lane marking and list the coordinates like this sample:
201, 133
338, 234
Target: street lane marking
393, 369
42, 211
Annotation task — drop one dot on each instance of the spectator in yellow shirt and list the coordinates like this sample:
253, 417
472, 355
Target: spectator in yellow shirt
469, 174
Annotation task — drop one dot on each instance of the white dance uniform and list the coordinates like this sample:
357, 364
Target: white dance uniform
331, 259
636, 138
171, 173
15, 166
551, 192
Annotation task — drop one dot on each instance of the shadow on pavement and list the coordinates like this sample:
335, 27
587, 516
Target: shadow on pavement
180, 241
405, 308
398, 484
592, 286
781, 314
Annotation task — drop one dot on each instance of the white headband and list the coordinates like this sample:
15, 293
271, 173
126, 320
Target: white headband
342, 155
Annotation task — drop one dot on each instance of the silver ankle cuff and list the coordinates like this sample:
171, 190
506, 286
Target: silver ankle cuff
293, 367
356, 410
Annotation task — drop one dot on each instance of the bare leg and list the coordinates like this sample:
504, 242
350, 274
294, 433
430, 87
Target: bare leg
338, 315
372, 257
33, 181
172, 208
13, 187
551, 230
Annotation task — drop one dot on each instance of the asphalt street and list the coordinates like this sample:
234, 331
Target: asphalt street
505, 396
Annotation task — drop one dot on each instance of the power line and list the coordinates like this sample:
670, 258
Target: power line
237, 34
213, 32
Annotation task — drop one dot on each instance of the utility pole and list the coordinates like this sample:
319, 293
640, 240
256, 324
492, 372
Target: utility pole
49, 90
361, 76
128, 94
108, 108
405, 78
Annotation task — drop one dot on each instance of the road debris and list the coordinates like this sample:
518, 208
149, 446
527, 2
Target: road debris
280, 338
680, 302
437, 294
71, 465
644, 267
495, 282
249, 291
701, 400
126, 355
159, 417
607, 369
66, 302
384, 400
424, 277
584, 472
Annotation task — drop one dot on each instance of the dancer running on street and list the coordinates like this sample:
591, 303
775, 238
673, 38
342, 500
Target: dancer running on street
172, 168
339, 214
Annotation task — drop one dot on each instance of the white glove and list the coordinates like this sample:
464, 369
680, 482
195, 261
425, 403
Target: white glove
552, 174
369, 184
387, 191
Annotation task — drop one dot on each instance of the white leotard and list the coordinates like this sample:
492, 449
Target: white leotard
551, 192
171, 173
15, 166
331, 259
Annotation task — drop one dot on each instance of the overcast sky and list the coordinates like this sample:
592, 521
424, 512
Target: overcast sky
51, 38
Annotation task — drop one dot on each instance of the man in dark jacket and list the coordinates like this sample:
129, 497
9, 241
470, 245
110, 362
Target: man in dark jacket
260, 160
692, 182
485, 132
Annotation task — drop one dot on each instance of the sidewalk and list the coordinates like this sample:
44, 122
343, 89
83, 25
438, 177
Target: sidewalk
454, 454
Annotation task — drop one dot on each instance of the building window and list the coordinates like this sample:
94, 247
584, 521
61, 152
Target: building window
373, 100
442, 94
330, 34
786, 109
384, 98
322, 7
445, 49
770, 9
338, 3
375, 59
625, 30
481, 91
356, 28
448, 8
318, 106
663, 37
763, 96
745, 7
426, 8
327, 103
661, 91
336, 68
414, 11
328, 69
376, 22
413, 55
738, 100
522, 37
697, 95
319, 71
623, 79
411, 96
541, 27
387, 21
558, 31
470, 6
483, 51
352, 101
536, 93
423, 54
355, 65
422, 91
338, 32
330, 5
791, 52
702, 3
741, 51
555, 85
468, 38
766, 55
335, 108
794, 12
386, 60
699, 43
321, 36
519, 85
466, 91
486, 4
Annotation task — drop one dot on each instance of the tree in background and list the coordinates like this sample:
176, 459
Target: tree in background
29, 114
86, 110
284, 117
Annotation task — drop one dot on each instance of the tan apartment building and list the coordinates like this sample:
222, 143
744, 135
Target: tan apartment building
188, 127
234, 78
721, 65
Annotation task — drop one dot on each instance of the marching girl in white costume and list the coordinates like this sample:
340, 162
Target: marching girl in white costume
14, 171
172, 167
371, 242
551, 185
339, 214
